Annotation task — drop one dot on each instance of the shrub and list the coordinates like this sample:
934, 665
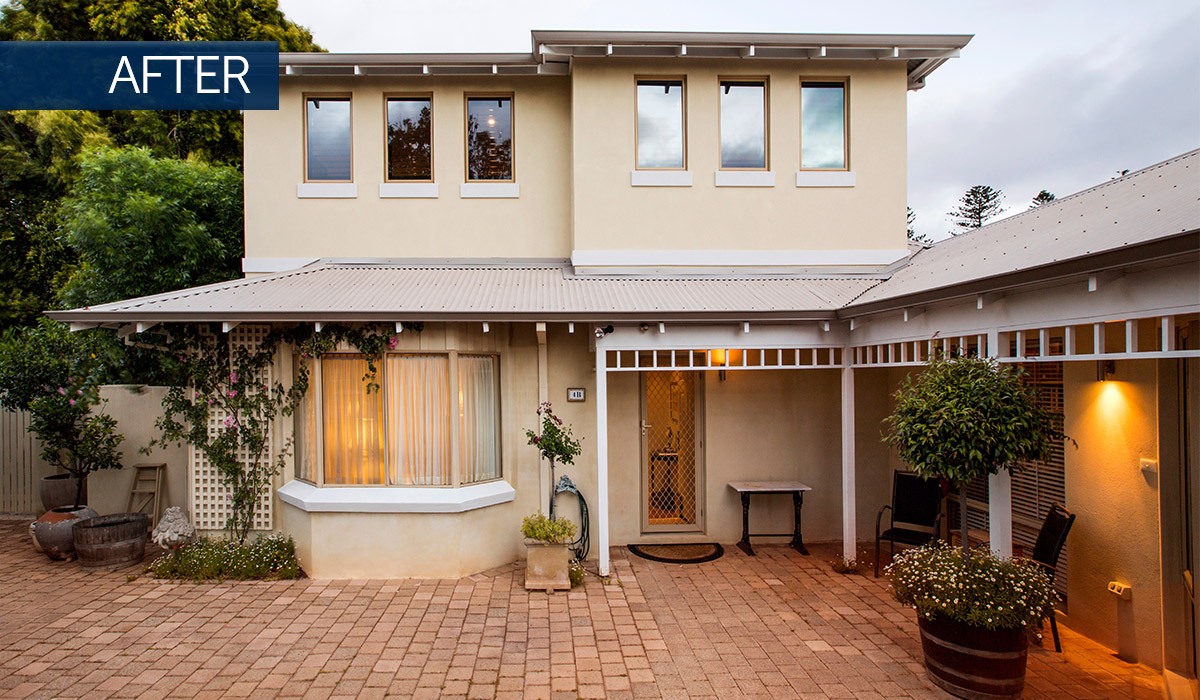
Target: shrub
846, 566
985, 591
555, 531
576, 572
268, 558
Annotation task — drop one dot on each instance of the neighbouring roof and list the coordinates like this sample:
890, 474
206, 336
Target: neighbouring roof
1151, 205
553, 51
327, 290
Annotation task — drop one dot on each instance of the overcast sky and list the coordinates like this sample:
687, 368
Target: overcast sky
1054, 95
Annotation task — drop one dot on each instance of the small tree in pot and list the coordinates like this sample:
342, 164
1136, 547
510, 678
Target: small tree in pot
546, 539
961, 419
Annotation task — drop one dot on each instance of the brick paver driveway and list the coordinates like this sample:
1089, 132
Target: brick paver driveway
778, 625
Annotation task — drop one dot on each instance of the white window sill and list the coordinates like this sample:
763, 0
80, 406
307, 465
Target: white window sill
661, 178
408, 190
824, 178
394, 499
326, 190
489, 190
745, 178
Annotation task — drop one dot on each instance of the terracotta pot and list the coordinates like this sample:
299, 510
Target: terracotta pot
548, 567
59, 490
111, 541
972, 662
52, 531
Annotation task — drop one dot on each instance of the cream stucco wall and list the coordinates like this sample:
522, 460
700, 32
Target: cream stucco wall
136, 408
537, 224
1116, 533
609, 213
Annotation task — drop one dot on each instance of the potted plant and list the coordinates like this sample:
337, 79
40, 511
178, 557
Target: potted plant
548, 564
961, 419
555, 443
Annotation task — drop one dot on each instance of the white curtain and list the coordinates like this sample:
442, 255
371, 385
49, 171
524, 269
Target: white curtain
305, 419
478, 422
353, 422
418, 418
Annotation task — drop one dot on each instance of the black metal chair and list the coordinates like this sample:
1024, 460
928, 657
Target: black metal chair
1050, 541
916, 501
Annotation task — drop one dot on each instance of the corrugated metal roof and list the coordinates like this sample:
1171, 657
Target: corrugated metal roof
1160, 201
328, 290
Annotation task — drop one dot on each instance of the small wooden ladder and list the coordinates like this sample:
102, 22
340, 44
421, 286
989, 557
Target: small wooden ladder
146, 489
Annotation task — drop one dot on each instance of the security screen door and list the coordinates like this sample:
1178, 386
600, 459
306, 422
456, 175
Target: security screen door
672, 442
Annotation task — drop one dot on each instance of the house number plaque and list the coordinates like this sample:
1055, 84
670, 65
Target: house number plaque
576, 394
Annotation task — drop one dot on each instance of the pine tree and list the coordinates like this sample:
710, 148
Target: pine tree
979, 204
1043, 197
913, 236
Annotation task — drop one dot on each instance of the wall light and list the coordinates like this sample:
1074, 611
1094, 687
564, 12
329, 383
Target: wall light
1105, 369
718, 358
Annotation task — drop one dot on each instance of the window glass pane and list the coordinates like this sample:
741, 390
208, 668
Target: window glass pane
822, 125
418, 417
489, 138
305, 422
409, 138
660, 124
743, 125
353, 425
478, 419
328, 138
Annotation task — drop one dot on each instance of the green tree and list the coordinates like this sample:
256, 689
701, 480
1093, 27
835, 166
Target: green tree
1043, 197
963, 418
913, 236
976, 206
143, 225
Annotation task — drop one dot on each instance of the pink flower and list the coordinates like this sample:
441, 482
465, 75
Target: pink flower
231, 393
233, 377
79, 391
72, 402
62, 391
230, 421
393, 341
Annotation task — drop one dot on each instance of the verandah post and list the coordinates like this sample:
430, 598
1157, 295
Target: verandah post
849, 509
602, 457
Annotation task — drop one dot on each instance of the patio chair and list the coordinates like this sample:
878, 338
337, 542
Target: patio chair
916, 501
1050, 541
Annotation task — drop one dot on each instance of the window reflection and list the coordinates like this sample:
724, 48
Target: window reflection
328, 136
743, 124
660, 124
409, 138
489, 138
823, 125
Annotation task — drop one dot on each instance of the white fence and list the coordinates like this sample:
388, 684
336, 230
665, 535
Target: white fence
21, 465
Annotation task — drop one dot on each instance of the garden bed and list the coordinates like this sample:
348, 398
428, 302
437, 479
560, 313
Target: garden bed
269, 558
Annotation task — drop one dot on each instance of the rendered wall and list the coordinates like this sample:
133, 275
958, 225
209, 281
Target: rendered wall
278, 224
609, 213
1116, 533
136, 409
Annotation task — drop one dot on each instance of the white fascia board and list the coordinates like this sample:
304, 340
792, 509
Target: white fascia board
736, 258
259, 266
394, 499
729, 336
660, 178
408, 190
326, 190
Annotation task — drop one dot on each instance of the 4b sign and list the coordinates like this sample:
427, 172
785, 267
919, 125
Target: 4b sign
139, 75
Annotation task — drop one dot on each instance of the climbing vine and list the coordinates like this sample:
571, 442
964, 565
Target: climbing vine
211, 374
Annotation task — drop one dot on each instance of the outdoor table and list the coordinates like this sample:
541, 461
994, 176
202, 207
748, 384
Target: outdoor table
746, 488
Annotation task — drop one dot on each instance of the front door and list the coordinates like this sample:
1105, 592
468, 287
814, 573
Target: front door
672, 445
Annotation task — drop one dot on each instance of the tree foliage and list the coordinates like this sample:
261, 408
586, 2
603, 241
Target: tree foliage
913, 236
976, 206
1043, 197
144, 225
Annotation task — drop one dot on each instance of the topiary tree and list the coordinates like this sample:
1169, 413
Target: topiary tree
964, 418
555, 443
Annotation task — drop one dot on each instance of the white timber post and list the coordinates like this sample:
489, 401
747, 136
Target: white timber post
543, 397
602, 457
1000, 485
849, 508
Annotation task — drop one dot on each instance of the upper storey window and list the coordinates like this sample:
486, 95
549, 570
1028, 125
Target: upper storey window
823, 125
410, 138
744, 124
489, 138
661, 143
327, 139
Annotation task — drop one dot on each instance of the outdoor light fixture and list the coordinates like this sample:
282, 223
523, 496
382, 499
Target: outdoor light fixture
718, 358
602, 331
1105, 369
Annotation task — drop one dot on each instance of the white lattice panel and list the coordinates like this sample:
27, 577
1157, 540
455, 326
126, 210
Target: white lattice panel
209, 496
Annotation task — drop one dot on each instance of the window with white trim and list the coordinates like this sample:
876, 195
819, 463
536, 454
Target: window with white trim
433, 420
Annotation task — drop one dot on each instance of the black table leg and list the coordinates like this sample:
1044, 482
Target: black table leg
744, 544
798, 538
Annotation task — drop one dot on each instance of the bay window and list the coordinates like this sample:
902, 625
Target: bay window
433, 420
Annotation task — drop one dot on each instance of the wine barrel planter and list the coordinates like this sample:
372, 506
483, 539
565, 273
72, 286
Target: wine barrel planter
972, 662
111, 541
58, 490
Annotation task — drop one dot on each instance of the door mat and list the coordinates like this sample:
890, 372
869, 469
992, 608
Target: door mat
679, 553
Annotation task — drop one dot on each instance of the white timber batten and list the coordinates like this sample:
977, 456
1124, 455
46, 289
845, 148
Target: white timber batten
1000, 519
849, 497
602, 462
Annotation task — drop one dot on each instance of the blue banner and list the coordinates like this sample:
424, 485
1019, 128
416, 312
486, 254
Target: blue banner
139, 75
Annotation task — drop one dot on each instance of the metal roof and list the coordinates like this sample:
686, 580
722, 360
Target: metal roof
1156, 203
328, 291
553, 52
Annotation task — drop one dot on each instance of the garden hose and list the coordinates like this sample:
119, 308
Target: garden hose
582, 544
